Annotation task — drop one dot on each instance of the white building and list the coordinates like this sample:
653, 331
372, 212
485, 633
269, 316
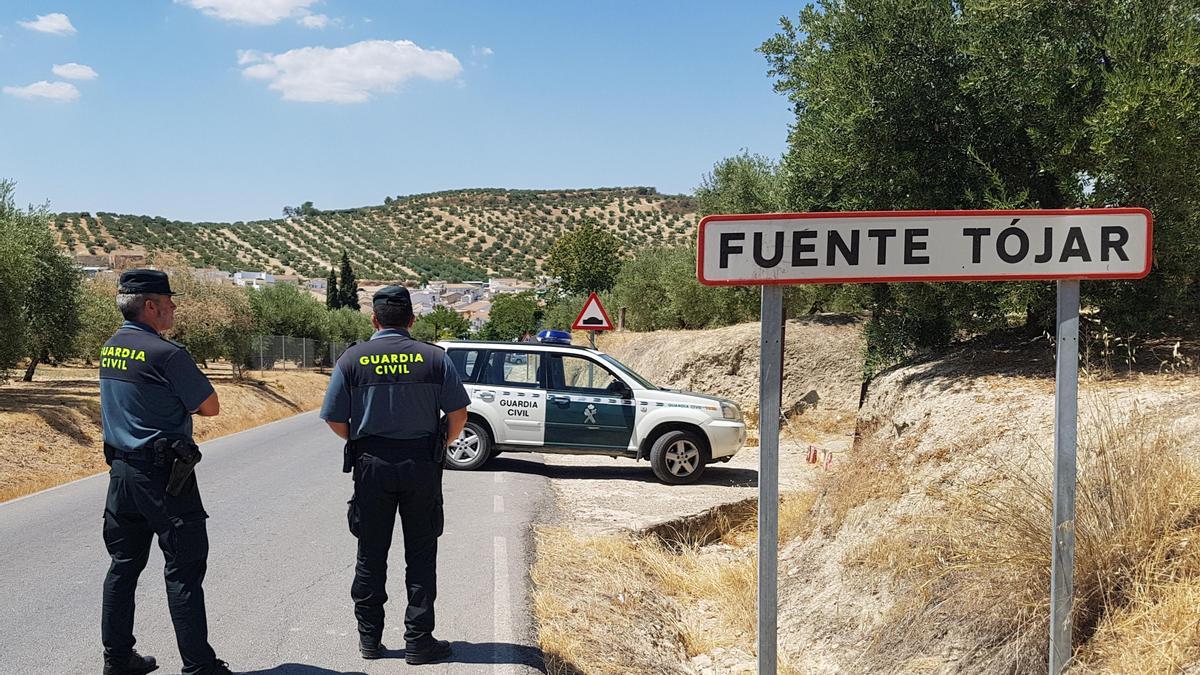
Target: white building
253, 279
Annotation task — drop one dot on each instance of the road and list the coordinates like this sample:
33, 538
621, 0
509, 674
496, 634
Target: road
280, 566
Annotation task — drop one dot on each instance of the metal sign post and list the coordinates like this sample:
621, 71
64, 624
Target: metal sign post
770, 388
1067, 245
1066, 410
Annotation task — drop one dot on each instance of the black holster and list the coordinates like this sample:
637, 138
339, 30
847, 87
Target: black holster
348, 457
182, 456
439, 442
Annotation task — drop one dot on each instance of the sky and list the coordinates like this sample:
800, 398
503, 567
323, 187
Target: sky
225, 110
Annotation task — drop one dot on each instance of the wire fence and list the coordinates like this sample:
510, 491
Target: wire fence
273, 352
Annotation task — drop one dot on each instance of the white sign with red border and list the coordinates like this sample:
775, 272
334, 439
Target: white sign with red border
878, 246
593, 316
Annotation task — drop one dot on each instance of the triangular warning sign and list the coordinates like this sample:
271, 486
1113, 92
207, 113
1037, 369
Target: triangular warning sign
593, 316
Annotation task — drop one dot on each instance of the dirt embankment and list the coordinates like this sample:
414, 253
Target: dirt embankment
822, 361
928, 549
924, 548
50, 428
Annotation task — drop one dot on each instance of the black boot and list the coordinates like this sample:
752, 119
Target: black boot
434, 651
134, 664
220, 668
371, 647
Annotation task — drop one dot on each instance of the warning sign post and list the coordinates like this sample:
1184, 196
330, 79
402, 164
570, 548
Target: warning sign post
773, 250
592, 318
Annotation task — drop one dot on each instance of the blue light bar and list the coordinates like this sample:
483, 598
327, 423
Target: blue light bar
554, 337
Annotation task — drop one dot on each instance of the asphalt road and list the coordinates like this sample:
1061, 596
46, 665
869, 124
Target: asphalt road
280, 567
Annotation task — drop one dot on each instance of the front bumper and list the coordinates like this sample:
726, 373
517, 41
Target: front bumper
725, 437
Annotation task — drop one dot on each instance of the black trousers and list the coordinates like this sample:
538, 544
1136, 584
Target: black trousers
384, 486
138, 508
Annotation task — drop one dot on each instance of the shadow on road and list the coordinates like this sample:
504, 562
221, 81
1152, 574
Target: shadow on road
301, 669
713, 475
497, 653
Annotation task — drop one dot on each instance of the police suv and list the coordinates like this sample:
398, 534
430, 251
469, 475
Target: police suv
552, 396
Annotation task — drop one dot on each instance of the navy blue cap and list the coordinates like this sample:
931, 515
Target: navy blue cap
392, 295
135, 282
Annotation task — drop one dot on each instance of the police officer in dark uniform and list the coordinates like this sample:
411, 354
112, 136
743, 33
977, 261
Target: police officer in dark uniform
149, 388
384, 398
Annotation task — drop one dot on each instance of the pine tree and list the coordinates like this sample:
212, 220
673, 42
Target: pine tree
349, 284
333, 299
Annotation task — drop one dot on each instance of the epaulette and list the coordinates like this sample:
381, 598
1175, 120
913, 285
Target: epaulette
430, 344
352, 343
177, 344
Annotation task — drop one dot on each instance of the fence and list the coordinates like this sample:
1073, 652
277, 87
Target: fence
270, 352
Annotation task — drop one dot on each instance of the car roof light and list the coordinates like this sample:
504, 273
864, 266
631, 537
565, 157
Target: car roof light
554, 337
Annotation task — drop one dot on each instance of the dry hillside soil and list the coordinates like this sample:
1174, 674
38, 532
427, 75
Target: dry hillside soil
922, 549
50, 428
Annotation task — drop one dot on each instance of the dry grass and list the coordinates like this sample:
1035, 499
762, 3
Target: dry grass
978, 571
50, 428
622, 604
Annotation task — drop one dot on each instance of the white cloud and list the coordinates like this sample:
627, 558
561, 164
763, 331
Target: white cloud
349, 74
481, 51
55, 91
57, 24
313, 21
74, 71
255, 12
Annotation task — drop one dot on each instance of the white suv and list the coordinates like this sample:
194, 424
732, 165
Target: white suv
561, 398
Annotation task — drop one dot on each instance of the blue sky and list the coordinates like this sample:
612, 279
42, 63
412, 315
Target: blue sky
229, 109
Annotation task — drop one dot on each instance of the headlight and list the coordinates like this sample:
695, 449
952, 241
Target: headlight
730, 411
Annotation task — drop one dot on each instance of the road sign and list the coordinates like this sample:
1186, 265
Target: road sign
772, 250
593, 316
874, 246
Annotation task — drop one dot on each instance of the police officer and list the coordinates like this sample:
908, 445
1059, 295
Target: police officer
149, 388
384, 398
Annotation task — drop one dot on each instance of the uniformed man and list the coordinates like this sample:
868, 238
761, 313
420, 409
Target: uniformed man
384, 398
149, 389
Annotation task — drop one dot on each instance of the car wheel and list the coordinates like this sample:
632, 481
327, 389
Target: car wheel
471, 449
677, 457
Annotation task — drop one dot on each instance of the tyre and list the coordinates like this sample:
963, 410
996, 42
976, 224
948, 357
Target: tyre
677, 457
472, 449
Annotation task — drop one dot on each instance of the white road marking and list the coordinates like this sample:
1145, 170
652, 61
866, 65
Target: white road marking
502, 633
498, 504
498, 477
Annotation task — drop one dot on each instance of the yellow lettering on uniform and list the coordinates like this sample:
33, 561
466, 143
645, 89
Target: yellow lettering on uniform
362, 360
417, 358
140, 356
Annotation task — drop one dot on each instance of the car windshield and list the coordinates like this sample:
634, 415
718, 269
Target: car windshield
625, 369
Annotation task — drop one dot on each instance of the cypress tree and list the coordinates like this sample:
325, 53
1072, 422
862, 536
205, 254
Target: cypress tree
349, 285
333, 299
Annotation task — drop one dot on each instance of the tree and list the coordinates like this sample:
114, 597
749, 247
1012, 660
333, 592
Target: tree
585, 260
38, 297
333, 299
936, 106
512, 316
442, 323
51, 306
284, 309
348, 325
99, 317
348, 288
744, 183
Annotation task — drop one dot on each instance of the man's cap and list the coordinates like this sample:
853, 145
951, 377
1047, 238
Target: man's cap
392, 295
145, 281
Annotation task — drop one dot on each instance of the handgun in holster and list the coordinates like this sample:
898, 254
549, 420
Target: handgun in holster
348, 457
439, 443
182, 456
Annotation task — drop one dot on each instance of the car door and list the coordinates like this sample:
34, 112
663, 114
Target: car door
588, 406
510, 384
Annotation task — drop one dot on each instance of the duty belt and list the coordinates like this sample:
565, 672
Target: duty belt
390, 449
111, 453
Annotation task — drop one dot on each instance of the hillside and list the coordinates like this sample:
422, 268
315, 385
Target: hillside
464, 234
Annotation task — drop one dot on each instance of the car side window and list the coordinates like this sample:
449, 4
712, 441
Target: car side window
466, 362
513, 369
583, 376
